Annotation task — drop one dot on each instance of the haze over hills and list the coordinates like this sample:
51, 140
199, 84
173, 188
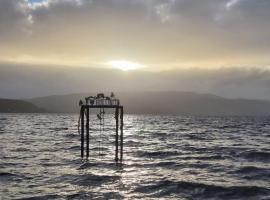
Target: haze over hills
184, 103
235, 85
25, 81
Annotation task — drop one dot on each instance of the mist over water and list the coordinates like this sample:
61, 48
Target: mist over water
169, 157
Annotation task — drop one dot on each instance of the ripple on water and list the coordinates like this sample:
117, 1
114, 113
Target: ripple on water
88, 179
166, 157
255, 155
199, 190
253, 173
157, 154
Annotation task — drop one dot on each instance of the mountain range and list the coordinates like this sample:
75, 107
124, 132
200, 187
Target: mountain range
172, 103
18, 106
175, 103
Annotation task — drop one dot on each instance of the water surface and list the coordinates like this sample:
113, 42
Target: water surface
167, 157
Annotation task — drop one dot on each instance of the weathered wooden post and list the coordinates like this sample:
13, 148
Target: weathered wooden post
116, 133
121, 130
82, 131
87, 132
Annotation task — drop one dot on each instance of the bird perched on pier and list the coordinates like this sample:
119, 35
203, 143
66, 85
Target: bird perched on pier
112, 95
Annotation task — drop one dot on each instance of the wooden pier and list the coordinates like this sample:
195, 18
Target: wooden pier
101, 102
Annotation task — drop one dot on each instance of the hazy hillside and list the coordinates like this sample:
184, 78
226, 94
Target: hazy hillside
18, 106
186, 103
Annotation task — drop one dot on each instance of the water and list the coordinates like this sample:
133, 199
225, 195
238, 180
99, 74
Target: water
167, 157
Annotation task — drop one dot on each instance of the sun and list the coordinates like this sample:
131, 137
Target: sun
124, 65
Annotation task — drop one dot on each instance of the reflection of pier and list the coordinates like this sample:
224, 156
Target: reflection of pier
102, 102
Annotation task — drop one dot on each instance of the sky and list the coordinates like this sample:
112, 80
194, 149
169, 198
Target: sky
150, 36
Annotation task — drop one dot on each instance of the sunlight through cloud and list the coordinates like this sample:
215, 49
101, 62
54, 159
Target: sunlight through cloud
124, 65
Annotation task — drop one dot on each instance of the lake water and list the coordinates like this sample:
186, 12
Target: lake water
166, 157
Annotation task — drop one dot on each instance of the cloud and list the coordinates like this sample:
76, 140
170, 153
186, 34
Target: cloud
158, 33
231, 3
14, 18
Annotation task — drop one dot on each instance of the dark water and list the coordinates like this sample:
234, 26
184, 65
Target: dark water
166, 157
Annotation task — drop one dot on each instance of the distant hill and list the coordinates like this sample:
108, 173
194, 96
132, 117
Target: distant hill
18, 106
175, 103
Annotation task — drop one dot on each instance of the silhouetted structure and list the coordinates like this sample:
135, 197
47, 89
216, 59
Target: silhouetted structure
101, 101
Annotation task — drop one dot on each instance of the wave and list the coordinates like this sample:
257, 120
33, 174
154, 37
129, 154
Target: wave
256, 156
102, 148
252, 169
59, 128
132, 143
77, 147
157, 154
79, 195
6, 174
205, 158
111, 165
21, 149
163, 164
88, 179
251, 172
91, 195
44, 197
71, 135
200, 190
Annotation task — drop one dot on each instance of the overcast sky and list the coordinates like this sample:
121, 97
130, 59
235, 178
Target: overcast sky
155, 35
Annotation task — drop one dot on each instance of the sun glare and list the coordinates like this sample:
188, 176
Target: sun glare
124, 65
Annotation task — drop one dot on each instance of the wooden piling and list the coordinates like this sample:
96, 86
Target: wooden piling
121, 130
87, 132
82, 131
116, 133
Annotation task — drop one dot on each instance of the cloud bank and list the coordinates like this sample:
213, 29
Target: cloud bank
24, 81
161, 34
